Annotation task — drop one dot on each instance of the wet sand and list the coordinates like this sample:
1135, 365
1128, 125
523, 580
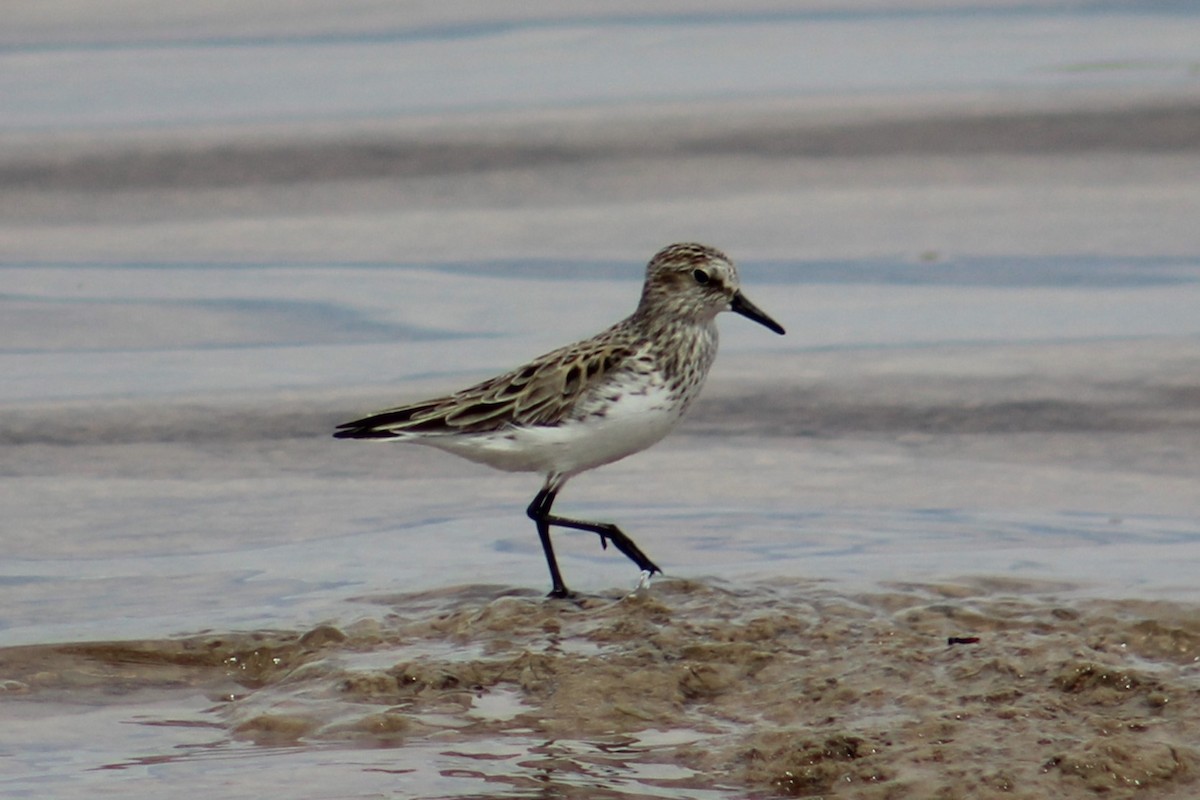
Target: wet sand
990, 688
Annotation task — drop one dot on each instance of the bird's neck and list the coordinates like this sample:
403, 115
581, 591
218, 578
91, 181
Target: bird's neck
682, 349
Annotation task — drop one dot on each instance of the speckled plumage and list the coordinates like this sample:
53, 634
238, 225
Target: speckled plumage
592, 402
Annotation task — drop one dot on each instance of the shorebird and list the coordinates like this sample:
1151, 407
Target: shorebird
589, 403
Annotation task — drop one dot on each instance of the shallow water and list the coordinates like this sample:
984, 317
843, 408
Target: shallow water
221, 233
52, 82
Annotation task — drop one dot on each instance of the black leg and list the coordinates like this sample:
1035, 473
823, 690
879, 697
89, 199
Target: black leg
539, 512
609, 532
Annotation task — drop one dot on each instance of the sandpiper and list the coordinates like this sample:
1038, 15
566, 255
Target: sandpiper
589, 403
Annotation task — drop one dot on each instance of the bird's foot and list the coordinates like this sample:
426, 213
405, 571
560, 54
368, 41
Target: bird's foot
643, 584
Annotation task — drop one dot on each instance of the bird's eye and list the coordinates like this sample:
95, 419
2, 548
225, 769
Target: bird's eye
700, 276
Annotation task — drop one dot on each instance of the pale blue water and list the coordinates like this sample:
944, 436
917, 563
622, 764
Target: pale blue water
129, 81
88, 331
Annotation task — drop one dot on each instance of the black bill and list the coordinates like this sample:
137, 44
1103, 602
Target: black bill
740, 305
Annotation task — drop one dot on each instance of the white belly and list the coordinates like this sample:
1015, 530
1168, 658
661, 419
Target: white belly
629, 424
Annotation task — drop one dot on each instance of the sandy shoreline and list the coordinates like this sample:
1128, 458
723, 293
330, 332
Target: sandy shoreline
984, 690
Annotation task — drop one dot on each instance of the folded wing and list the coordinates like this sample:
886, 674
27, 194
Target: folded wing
539, 393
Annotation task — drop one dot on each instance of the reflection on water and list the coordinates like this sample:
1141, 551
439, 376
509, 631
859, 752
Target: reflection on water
698, 690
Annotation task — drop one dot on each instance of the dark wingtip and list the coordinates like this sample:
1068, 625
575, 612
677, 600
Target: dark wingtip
362, 429
364, 433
